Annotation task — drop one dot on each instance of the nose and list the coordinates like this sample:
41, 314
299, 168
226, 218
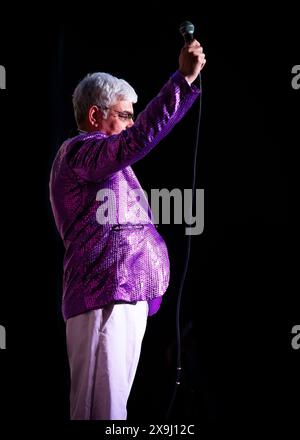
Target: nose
129, 123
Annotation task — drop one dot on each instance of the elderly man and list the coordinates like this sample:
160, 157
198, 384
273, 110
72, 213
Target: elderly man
116, 265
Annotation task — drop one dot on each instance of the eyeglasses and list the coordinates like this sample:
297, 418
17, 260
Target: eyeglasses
124, 116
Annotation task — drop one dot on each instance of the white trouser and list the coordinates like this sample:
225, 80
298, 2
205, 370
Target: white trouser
104, 347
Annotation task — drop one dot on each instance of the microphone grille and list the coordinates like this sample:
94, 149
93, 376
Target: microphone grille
186, 28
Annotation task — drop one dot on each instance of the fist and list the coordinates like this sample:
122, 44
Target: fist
191, 60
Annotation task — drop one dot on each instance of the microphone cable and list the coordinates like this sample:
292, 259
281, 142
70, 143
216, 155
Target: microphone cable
186, 265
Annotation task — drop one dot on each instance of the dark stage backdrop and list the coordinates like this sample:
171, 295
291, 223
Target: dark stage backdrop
241, 300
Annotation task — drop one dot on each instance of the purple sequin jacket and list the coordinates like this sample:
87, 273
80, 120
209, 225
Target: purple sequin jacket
113, 252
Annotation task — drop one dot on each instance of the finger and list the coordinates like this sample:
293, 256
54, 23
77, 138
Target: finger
193, 43
198, 53
195, 50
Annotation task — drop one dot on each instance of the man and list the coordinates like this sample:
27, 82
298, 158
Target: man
116, 265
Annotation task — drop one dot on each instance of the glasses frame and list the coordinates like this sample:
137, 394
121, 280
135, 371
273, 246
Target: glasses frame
124, 116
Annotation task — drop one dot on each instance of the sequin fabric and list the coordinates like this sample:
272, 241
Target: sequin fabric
113, 251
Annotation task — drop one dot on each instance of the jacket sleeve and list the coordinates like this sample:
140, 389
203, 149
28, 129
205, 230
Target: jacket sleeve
94, 157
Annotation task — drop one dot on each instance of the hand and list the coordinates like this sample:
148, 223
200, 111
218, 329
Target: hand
191, 60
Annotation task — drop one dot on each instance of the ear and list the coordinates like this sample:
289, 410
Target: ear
94, 116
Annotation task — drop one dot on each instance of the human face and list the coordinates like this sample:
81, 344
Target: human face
119, 118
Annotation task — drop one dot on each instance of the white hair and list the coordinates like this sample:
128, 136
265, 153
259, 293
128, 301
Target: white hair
100, 89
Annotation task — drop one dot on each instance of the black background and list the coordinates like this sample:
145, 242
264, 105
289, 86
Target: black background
241, 295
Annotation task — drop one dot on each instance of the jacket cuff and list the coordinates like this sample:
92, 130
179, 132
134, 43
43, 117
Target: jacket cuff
179, 79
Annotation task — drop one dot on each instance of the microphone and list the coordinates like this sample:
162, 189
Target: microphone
187, 31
